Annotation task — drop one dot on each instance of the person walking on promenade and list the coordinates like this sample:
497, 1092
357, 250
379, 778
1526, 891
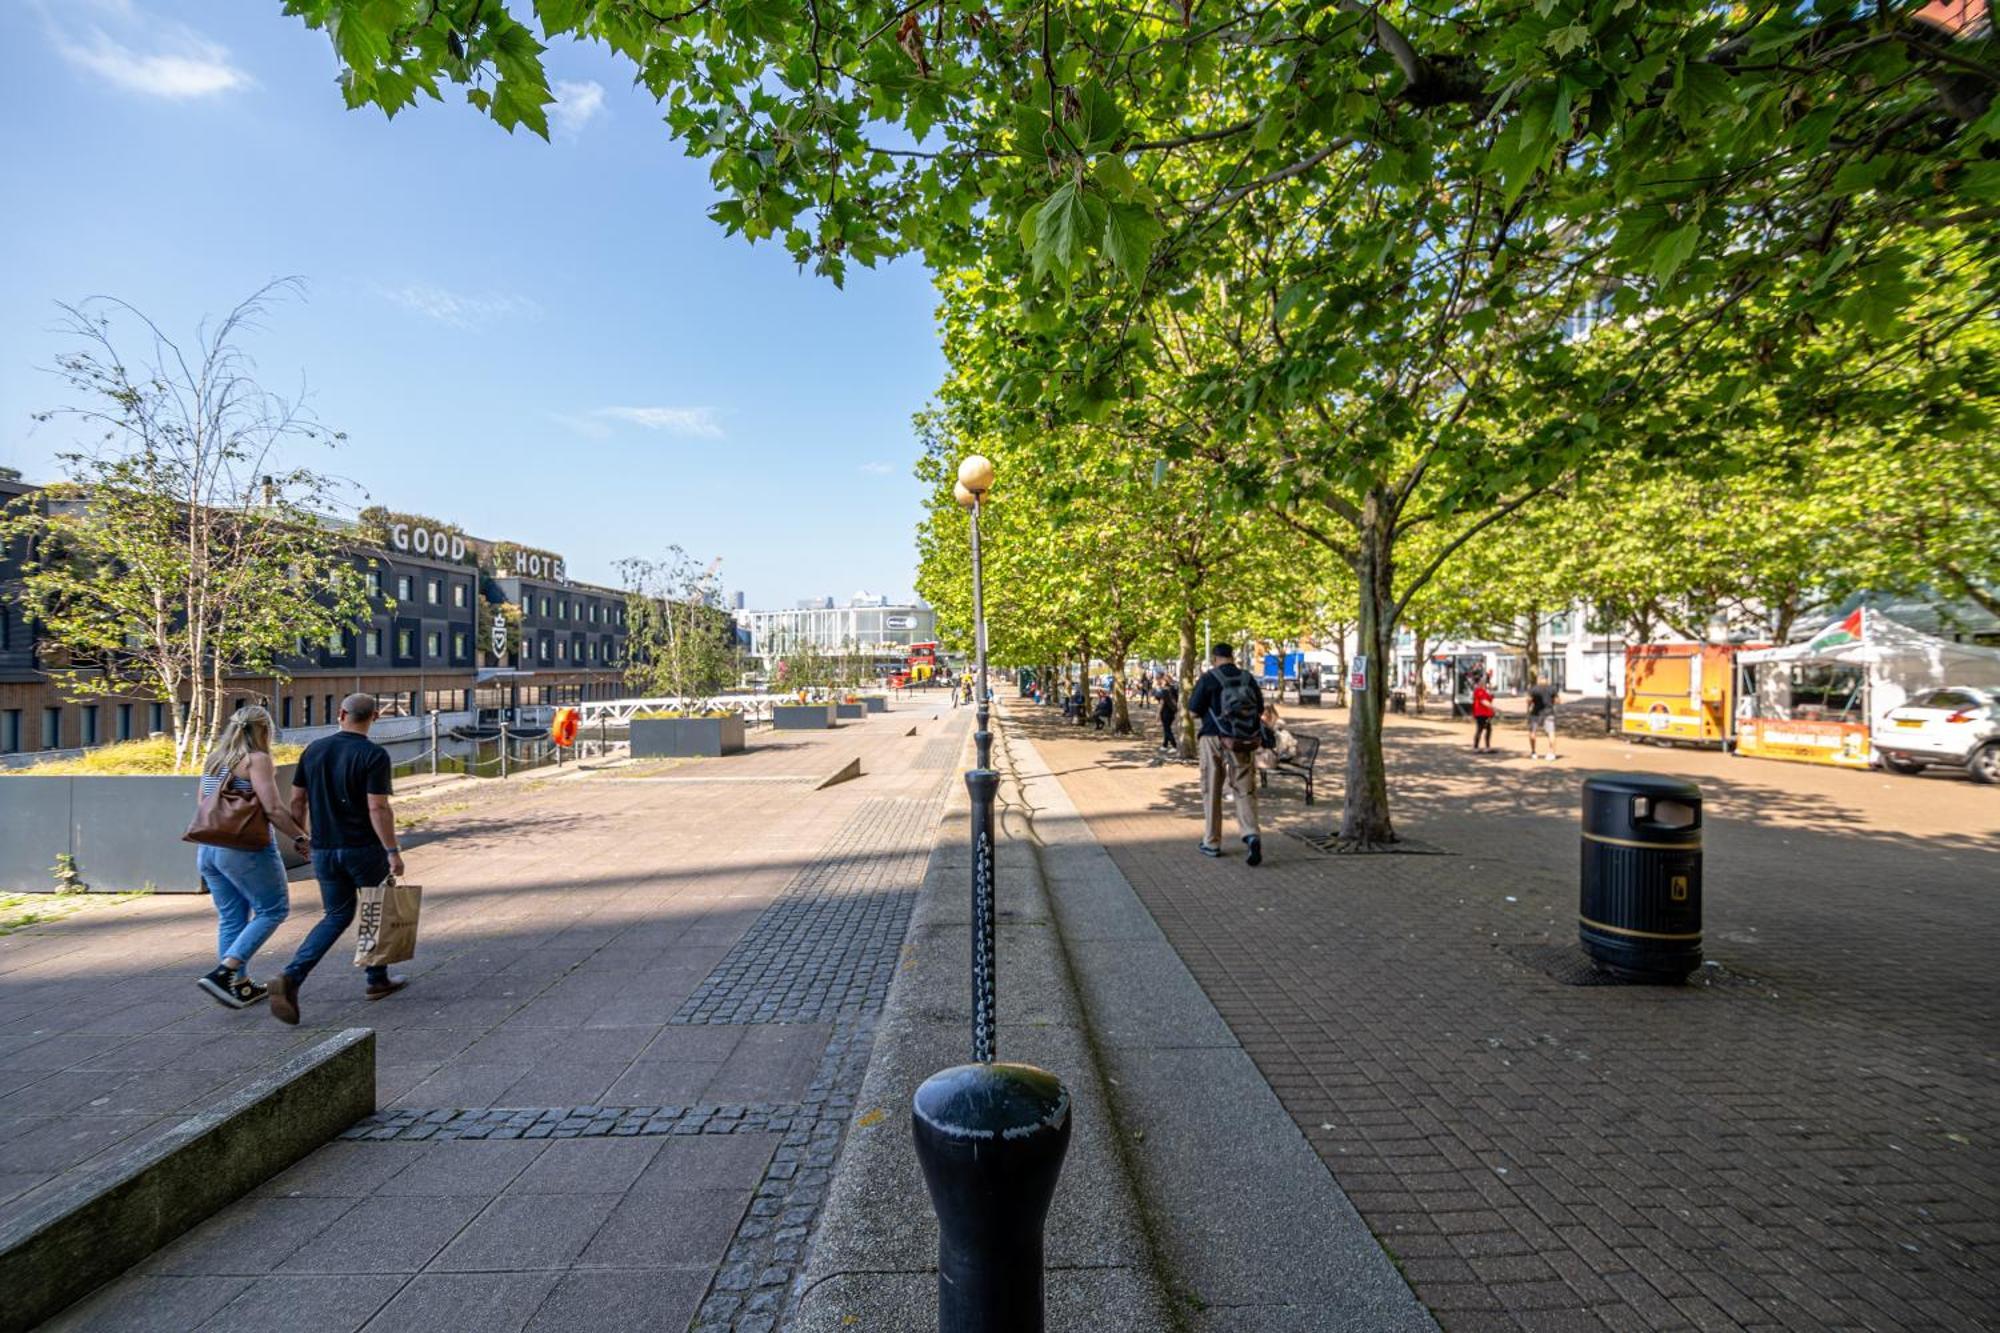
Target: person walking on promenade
1482, 716
246, 888
1542, 716
1230, 707
1170, 707
343, 781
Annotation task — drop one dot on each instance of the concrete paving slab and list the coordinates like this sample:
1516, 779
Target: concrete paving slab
344, 1302
387, 1234
465, 1303
607, 1302
525, 1232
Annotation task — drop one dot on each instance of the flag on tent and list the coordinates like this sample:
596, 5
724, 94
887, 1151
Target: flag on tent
1839, 634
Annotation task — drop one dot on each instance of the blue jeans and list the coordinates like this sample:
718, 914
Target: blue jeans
250, 895
342, 873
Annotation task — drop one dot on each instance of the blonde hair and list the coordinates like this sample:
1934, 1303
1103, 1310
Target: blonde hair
248, 731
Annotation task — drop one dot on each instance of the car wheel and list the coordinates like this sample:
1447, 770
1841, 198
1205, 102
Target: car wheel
1984, 766
1897, 764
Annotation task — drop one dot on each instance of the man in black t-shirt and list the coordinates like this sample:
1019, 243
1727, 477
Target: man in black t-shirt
1542, 715
341, 793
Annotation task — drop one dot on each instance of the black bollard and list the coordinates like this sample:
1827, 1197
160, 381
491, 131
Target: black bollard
991, 1140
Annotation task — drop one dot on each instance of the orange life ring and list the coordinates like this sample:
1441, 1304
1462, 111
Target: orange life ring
563, 729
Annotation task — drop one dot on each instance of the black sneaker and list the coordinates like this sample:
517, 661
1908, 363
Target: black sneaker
221, 987
1256, 846
248, 992
1210, 849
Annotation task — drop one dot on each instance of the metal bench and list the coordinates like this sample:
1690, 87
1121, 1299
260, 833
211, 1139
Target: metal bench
1301, 762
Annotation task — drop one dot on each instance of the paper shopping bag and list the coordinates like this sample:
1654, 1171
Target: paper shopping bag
386, 924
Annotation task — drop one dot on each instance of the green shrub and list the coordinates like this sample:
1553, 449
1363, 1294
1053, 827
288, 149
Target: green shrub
126, 759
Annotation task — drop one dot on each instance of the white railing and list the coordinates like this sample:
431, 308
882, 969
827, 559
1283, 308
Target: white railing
756, 708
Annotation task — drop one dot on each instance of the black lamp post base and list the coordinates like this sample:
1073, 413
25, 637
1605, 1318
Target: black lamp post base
991, 1140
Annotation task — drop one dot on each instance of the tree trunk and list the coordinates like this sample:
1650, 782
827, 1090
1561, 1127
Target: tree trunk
1121, 713
1364, 817
1532, 648
1418, 685
1340, 666
1190, 659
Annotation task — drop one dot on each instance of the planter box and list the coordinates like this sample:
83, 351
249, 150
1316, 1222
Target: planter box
802, 717
686, 737
125, 832
853, 710
875, 703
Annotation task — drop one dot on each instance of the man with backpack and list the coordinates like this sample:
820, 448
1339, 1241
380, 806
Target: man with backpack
1230, 707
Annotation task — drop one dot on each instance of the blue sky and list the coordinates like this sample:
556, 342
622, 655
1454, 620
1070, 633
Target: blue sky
544, 342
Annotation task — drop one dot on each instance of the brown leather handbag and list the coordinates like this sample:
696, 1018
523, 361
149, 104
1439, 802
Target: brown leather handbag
230, 817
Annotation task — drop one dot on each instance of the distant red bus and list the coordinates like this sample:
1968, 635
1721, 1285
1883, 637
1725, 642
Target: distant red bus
920, 665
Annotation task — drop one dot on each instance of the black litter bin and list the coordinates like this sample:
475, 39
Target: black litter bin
1639, 916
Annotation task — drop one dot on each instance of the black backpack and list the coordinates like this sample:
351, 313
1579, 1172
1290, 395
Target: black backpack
1239, 711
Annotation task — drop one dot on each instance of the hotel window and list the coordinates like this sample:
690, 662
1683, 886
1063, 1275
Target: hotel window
545, 606
545, 650
405, 588
373, 640
375, 582
90, 724
562, 650
458, 594
433, 644
579, 610
10, 731
309, 710
461, 643
434, 590
157, 721
51, 728
124, 722
336, 642
562, 610
285, 711
593, 613
589, 651
406, 643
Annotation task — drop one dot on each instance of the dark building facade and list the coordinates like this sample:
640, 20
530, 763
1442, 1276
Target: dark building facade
455, 624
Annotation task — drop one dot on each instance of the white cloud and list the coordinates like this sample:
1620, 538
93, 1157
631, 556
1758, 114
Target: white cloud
877, 469
698, 421
154, 57
460, 310
577, 104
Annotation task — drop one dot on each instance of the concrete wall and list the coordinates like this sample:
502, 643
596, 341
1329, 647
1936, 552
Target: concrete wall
125, 832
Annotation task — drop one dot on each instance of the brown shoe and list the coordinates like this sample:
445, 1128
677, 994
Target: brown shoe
285, 999
389, 987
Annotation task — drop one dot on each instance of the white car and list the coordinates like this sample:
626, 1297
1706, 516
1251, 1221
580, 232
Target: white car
1958, 725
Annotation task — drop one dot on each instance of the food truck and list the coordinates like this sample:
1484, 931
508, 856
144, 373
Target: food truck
1680, 692
1822, 701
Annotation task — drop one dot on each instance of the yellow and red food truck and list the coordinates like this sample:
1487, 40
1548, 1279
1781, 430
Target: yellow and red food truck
1681, 692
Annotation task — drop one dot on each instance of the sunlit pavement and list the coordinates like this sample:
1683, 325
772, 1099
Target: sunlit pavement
612, 1092
1805, 1140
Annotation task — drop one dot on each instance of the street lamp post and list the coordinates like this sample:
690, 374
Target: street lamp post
990, 1136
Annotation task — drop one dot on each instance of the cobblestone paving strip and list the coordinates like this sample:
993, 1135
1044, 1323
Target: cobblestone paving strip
939, 752
827, 947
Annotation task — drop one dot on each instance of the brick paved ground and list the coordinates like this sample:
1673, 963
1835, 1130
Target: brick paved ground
1811, 1140
612, 1093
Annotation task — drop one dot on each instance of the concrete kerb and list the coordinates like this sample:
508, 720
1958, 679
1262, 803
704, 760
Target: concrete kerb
94, 1227
1251, 1231
873, 1258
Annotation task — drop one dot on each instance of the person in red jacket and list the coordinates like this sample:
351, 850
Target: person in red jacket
1482, 715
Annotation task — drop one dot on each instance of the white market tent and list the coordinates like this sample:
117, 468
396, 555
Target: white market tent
1888, 661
